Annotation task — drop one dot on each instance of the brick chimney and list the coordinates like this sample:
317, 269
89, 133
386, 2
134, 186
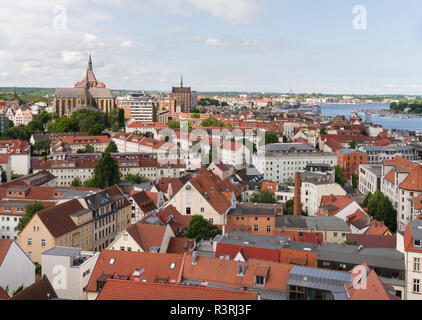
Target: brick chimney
297, 209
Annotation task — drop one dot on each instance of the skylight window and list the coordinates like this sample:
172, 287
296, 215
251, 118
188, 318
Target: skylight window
172, 265
111, 261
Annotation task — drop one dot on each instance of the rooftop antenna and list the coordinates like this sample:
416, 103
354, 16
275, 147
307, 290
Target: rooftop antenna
181, 81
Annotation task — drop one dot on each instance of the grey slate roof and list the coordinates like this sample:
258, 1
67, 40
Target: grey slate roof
321, 279
63, 251
416, 229
288, 147
319, 223
374, 257
253, 240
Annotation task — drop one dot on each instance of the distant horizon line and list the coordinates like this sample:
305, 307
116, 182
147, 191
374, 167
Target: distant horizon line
240, 92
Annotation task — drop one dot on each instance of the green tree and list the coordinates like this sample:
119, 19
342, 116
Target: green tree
263, 196
199, 229
211, 122
38, 268
351, 242
364, 132
365, 201
173, 124
271, 137
381, 209
29, 213
195, 116
3, 176
115, 127
112, 147
76, 182
339, 176
353, 144
289, 208
106, 172
355, 180
42, 145
323, 131
17, 290
89, 148
136, 178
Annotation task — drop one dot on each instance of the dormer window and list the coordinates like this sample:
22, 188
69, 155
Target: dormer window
259, 280
417, 243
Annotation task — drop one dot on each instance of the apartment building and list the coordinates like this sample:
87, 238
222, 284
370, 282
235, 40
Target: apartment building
413, 258
377, 154
75, 144
138, 106
279, 162
89, 222
20, 155
349, 160
401, 182
369, 178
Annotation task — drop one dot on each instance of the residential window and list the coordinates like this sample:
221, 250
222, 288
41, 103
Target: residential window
202, 209
122, 248
29, 242
125, 237
259, 280
42, 243
416, 264
416, 286
335, 234
417, 243
268, 228
255, 228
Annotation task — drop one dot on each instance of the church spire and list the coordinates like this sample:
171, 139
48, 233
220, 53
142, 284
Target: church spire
181, 81
89, 62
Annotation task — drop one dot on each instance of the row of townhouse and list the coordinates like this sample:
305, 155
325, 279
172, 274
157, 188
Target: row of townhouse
66, 171
75, 144
90, 222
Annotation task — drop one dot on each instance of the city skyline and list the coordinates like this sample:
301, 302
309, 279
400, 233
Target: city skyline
243, 46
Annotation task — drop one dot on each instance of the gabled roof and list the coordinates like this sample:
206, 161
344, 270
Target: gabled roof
377, 228
231, 250
154, 265
40, 290
372, 289
371, 241
224, 272
206, 184
57, 219
147, 235
3, 294
340, 202
132, 290
145, 203
4, 248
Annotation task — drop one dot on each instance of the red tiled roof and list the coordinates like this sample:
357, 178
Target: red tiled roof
224, 272
269, 186
374, 289
147, 235
155, 265
180, 245
373, 241
232, 250
340, 202
4, 248
3, 294
377, 228
132, 290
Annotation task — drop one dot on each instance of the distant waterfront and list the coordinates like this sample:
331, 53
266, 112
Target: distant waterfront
387, 122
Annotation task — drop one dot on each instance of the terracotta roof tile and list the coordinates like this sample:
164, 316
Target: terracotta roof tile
131, 290
155, 265
4, 248
147, 235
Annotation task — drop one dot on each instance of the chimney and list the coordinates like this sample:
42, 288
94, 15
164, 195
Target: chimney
297, 211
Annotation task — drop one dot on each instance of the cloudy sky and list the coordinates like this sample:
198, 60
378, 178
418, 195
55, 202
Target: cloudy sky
228, 45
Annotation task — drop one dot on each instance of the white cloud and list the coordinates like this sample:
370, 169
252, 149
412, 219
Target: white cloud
213, 42
230, 11
73, 57
126, 44
175, 30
